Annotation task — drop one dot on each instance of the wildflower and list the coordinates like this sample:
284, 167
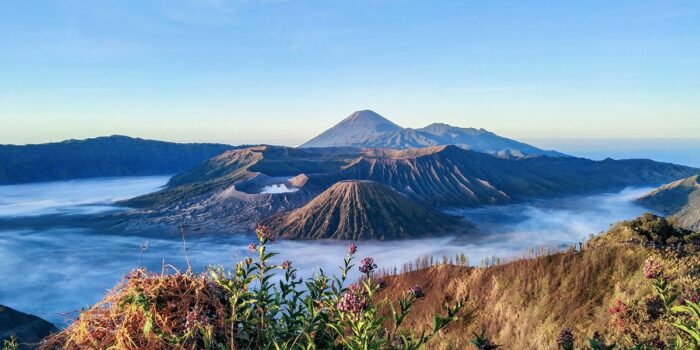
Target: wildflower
352, 248
652, 268
416, 291
367, 265
286, 264
264, 234
252, 247
565, 339
691, 296
618, 311
618, 308
381, 284
356, 288
352, 302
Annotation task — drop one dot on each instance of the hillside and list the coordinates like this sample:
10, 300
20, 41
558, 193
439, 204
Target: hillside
228, 190
359, 210
27, 329
100, 157
679, 199
525, 303
369, 129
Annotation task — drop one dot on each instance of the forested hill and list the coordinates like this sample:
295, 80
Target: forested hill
100, 157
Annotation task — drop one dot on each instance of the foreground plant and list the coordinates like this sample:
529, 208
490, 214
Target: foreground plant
10, 344
258, 305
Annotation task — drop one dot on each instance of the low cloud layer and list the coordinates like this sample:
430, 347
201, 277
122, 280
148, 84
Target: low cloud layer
55, 270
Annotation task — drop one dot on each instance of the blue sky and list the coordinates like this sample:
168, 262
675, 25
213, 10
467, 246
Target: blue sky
282, 71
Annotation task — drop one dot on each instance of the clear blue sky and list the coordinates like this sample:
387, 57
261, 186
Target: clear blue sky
282, 71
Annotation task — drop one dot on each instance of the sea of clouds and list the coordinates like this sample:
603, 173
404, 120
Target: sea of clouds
55, 271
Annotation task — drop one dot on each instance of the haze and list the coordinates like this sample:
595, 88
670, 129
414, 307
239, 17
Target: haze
282, 71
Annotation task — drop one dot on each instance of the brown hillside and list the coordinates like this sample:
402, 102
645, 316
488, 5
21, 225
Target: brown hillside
524, 304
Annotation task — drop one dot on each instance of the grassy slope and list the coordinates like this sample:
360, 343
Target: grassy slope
681, 199
524, 304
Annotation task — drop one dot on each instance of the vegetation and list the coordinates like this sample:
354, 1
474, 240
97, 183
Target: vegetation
592, 292
249, 309
635, 287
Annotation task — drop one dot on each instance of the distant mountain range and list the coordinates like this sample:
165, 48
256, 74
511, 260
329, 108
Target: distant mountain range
227, 192
100, 157
369, 129
359, 210
679, 199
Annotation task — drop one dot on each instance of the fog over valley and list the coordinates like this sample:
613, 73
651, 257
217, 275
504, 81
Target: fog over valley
37, 263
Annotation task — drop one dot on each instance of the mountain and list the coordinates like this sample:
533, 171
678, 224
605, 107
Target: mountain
27, 328
100, 157
369, 129
679, 199
354, 130
359, 210
229, 192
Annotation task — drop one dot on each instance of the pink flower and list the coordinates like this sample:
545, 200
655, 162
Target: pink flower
618, 308
352, 301
286, 264
652, 268
367, 265
252, 247
416, 291
352, 248
264, 234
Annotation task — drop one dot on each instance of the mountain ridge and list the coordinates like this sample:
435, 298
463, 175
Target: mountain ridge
227, 192
347, 133
104, 156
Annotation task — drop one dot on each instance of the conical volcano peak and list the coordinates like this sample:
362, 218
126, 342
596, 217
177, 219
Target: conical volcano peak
356, 128
369, 116
357, 210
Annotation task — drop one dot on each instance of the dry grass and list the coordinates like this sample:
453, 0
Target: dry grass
185, 309
525, 303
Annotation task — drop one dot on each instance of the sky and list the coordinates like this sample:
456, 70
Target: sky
280, 72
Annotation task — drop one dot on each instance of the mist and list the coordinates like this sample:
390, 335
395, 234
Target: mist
88, 196
54, 272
